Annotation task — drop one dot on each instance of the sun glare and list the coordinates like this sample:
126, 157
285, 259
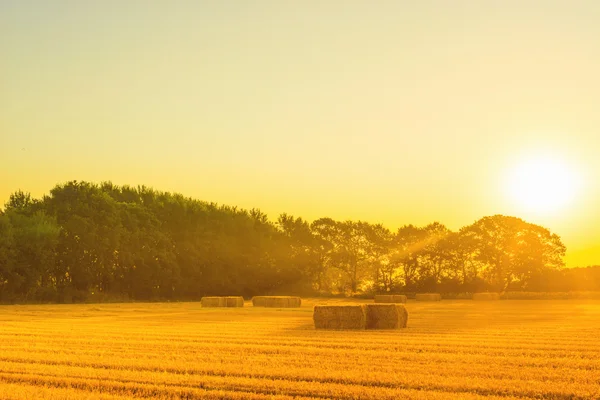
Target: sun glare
543, 184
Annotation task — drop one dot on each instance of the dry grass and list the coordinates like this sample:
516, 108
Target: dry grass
390, 298
450, 350
428, 297
386, 316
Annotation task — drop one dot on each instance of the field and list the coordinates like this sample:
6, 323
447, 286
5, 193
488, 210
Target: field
451, 350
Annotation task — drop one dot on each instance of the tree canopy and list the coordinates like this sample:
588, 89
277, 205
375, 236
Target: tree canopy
95, 242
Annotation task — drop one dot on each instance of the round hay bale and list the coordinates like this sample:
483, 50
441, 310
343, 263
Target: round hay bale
428, 297
386, 316
486, 296
213, 301
390, 298
234, 301
348, 316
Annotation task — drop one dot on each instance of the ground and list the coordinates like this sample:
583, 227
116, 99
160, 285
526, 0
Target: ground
450, 350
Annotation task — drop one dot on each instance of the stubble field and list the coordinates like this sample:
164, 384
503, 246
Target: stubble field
450, 350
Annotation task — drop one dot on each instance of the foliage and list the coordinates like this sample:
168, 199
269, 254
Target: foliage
87, 242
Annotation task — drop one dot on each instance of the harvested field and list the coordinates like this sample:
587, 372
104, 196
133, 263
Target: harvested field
455, 349
428, 297
390, 298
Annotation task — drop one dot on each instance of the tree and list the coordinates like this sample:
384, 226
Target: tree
27, 255
19, 200
302, 248
379, 241
512, 250
406, 246
86, 241
434, 254
89, 238
348, 250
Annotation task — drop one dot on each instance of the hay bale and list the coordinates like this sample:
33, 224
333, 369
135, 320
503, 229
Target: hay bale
234, 301
222, 301
294, 302
277, 301
386, 316
399, 298
348, 316
383, 298
390, 298
213, 301
258, 301
486, 296
428, 297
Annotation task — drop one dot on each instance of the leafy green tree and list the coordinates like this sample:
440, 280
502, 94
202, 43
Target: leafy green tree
89, 238
92, 242
30, 241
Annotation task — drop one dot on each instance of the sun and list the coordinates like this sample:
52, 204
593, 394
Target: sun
543, 184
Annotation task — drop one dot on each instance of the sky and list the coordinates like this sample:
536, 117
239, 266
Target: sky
394, 112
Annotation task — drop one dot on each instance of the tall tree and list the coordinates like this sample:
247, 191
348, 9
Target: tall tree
512, 249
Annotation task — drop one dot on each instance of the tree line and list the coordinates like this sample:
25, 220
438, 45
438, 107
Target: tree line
100, 242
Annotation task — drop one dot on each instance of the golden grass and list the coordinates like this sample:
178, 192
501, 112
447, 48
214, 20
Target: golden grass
450, 350
428, 297
390, 298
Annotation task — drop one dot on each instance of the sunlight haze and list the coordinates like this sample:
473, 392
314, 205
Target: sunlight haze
397, 112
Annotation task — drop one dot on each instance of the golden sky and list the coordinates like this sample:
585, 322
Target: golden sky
390, 111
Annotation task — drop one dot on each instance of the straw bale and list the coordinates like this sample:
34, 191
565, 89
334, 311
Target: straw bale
386, 316
383, 298
213, 301
390, 298
347, 316
428, 297
234, 301
258, 301
277, 301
